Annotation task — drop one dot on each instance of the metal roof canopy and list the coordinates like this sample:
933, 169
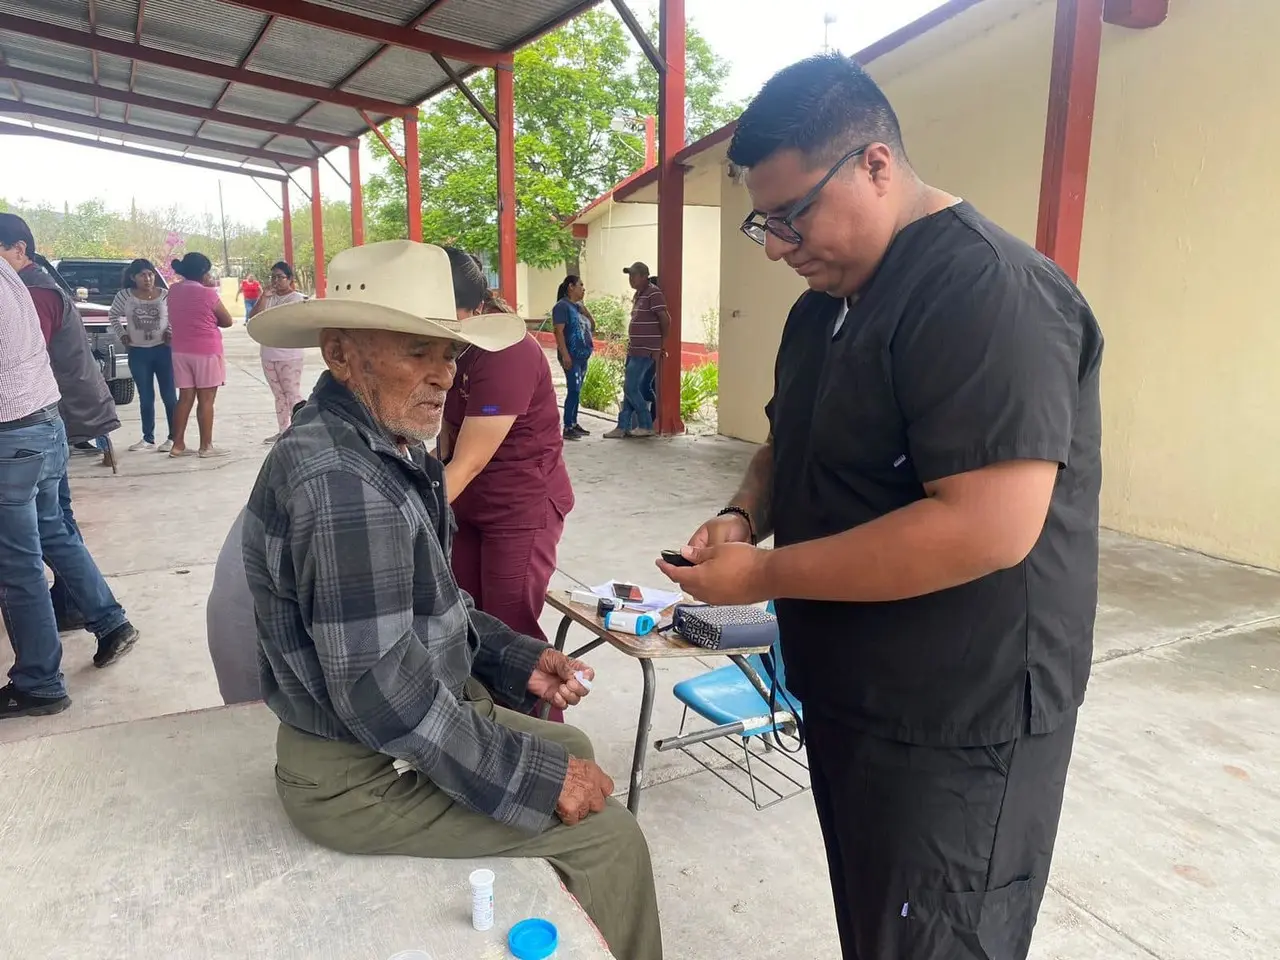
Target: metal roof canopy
245, 81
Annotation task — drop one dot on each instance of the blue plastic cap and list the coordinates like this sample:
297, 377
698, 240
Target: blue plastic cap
533, 939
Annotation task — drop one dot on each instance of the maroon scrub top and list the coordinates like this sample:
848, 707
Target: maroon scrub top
528, 467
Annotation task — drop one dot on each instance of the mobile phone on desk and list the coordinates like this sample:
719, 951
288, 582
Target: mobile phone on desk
628, 593
676, 559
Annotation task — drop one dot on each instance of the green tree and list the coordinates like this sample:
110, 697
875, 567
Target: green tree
569, 86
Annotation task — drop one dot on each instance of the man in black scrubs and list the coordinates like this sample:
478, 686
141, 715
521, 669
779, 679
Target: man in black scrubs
931, 483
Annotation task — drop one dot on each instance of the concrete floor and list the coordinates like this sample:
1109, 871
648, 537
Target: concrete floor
1169, 843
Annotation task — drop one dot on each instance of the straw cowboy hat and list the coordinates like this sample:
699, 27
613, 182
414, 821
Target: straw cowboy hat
396, 285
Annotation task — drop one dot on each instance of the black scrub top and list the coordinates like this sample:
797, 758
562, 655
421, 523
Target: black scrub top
967, 348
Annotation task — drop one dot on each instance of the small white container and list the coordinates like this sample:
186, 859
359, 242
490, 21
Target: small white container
482, 899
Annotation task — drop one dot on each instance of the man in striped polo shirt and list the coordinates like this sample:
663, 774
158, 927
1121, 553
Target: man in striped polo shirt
649, 324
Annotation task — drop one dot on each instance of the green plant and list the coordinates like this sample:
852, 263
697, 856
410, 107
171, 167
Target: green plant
711, 324
698, 387
602, 384
611, 316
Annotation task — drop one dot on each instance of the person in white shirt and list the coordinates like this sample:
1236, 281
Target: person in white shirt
140, 316
282, 366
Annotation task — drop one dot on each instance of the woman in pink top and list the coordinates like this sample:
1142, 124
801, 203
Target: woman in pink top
196, 316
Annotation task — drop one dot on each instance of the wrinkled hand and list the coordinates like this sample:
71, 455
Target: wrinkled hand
553, 679
728, 573
586, 788
731, 528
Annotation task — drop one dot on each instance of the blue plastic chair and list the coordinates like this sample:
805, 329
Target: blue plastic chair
726, 698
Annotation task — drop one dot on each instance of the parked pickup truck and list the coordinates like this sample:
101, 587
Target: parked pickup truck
107, 347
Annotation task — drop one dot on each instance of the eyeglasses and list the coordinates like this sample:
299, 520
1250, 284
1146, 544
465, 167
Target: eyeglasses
757, 225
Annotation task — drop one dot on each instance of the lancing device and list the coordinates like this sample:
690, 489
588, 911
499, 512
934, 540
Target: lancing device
622, 621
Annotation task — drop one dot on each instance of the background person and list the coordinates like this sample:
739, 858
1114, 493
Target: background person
572, 324
645, 336
251, 290
932, 483
140, 316
505, 474
282, 366
196, 320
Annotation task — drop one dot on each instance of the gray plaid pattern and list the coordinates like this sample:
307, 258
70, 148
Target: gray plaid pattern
364, 634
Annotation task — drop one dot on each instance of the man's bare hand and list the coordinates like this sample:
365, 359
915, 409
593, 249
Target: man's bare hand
586, 788
730, 528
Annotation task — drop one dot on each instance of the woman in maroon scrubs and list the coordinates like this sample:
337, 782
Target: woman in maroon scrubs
505, 474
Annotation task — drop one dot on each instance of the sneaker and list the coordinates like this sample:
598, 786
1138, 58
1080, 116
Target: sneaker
115, 644
165, 447
184, 452
569, 434
617, 433
142, 445
85, 446
15, 703
580, 430
641, 433
211, 452
271, 439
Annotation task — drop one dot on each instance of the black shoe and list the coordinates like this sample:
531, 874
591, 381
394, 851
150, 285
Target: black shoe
580, 430
571, 434
115, 644
15, 703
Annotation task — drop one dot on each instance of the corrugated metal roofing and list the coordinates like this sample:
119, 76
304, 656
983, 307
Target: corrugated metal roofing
231, 34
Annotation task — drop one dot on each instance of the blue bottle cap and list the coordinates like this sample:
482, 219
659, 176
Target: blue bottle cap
533, 939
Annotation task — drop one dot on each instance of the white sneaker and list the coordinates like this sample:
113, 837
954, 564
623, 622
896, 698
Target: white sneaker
142, 445
272, 439
210, 452
642, 433
165, 447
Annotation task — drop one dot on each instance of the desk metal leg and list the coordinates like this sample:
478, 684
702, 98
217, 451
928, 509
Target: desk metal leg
562, 633
642, 737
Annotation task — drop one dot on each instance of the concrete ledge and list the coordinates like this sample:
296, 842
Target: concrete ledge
164, 838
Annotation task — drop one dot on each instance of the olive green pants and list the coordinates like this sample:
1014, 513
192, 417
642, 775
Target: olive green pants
349, 798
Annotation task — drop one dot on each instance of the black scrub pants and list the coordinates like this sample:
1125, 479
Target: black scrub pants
937, 853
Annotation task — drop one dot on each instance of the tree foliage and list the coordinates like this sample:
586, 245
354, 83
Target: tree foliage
569, 87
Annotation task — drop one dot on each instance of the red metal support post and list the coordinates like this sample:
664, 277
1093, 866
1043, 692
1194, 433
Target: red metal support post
505, 102
650, 143
357, 197
413, 176
286, 211
317, 229
1073, 86
671, 83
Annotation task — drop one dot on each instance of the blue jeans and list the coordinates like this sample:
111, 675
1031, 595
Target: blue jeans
635, 413
34, 529
651, 391
146, 363
573, 378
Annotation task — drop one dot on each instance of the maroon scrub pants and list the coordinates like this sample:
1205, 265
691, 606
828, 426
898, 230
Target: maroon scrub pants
507, 571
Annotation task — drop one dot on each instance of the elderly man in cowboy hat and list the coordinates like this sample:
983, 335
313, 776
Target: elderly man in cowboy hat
402, 707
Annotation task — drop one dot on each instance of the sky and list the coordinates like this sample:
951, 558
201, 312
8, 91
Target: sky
750, 34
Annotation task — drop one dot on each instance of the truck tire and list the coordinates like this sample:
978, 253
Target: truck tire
121, 391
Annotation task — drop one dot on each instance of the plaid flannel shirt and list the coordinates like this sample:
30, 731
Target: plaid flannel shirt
364, 634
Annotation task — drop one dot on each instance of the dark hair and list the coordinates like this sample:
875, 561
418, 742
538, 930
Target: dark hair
654, 280
13, 229
562, 291
823, 107
283, 268
470, 285
193, 266
132, 270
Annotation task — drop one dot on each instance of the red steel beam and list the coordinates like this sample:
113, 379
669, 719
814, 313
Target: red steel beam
430, 8
413, 176
317, 229
671, 91
82, 141
1073, 86
330, 18
147, 133
286, 213
244, 62
171, 106
357, 196
505, 102
205, 68
377, 132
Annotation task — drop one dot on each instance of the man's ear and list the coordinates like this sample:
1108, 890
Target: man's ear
336, 351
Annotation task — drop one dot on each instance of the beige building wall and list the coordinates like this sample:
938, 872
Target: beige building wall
536, 290
618, 234
1180, 262
971, 97
1179, 253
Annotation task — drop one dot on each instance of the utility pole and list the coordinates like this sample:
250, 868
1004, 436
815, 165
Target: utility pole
222, 217
827, 20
